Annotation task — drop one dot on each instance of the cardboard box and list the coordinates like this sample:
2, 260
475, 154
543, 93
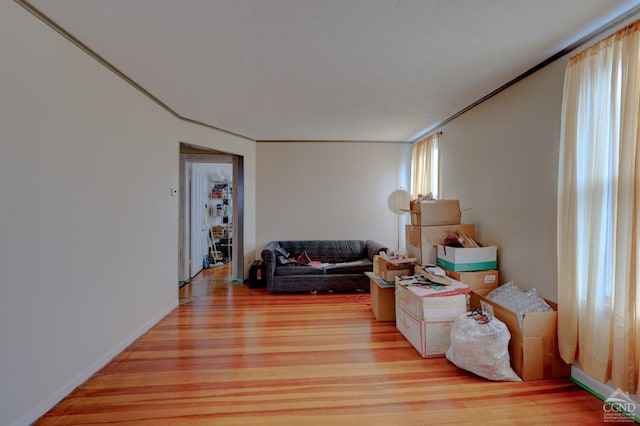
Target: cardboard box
432, 306
480, 281
423, 240
435, 212
430, 339
459, 259
534, 349
383, 298
389, 271
426, 321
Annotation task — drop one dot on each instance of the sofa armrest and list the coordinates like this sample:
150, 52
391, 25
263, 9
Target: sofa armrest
269, 260
374, 247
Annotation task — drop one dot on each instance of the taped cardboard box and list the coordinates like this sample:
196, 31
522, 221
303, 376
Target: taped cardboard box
423, 240
426, 321
435, 212
481, 282
534, 349
430, 303
460, 259
388, 271
383, 300
430, 338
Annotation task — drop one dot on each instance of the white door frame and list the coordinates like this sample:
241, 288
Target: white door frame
199, 198
237, 257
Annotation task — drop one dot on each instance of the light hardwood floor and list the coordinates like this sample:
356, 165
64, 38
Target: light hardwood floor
230, 355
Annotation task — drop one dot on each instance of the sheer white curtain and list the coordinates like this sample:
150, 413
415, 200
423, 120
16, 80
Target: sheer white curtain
599, 211
424, 166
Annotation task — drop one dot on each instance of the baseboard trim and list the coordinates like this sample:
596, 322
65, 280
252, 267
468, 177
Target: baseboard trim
84, 375
601, 390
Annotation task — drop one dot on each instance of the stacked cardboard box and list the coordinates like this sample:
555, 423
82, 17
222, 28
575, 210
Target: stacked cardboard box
432, 223
463, 259
435, 212
481, 282
426, 321
425, 314
475, 266
422, 241
471, 262
388, 269
382, 284
382, 294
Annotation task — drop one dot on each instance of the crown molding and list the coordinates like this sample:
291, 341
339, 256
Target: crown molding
584, 40
575, 45
52, 24
330, 141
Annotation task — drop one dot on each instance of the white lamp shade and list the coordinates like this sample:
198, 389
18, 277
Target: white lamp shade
399, 201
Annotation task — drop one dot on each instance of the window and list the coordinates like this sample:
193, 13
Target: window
425, 167
599, 211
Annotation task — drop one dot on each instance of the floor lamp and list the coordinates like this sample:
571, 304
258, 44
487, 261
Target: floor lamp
398, 203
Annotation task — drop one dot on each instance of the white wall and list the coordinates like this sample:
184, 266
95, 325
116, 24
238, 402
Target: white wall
501, 160
88, 228
309, 190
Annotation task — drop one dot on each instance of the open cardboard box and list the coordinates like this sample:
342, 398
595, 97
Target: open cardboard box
435, 212
534, 349
461, 259
388, 271
423, 240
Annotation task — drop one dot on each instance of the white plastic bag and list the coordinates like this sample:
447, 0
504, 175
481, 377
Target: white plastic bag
480, 344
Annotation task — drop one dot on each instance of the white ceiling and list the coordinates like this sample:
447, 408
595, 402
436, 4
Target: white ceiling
326, 69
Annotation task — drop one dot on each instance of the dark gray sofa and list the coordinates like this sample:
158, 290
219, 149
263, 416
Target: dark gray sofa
347, 261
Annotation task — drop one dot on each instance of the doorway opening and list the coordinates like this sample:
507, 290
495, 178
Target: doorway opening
211, 212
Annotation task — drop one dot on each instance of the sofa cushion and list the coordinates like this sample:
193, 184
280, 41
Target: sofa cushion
359, 266
293, 269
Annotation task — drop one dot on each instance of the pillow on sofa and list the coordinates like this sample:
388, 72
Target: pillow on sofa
303, 259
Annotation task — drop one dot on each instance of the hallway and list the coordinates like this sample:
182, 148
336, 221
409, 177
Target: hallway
207, 281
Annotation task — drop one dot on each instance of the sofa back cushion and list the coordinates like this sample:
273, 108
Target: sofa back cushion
328, 251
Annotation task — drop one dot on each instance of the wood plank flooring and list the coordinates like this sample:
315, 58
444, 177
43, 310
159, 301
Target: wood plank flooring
230, 355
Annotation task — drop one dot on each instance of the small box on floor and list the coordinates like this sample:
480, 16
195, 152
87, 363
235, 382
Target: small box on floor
382, 294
